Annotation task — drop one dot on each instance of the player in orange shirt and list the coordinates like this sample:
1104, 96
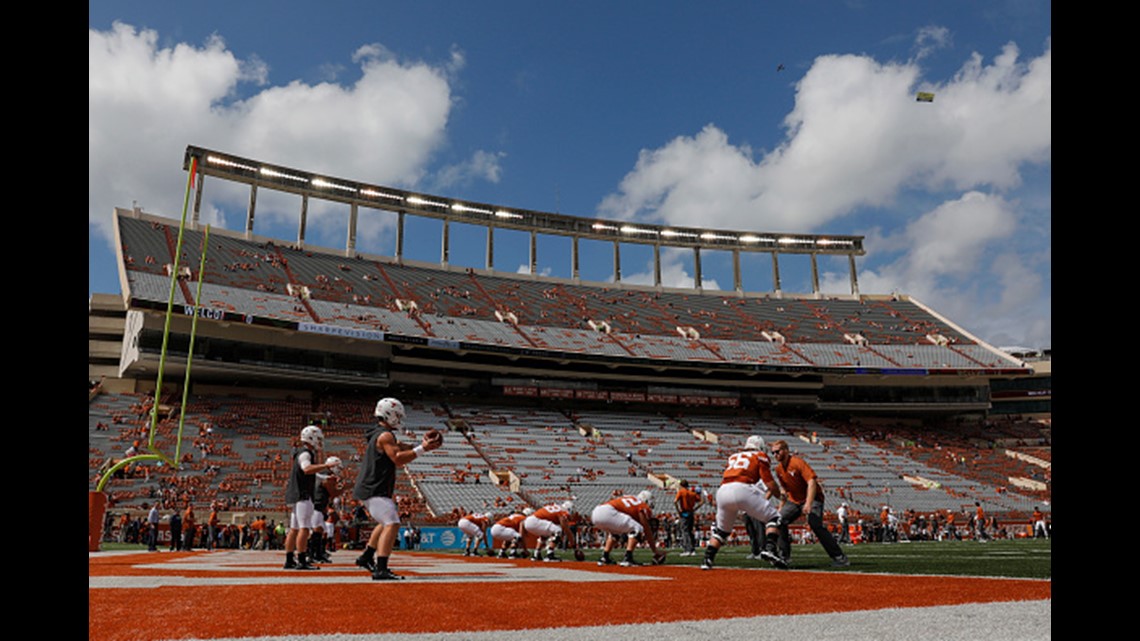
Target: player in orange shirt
548, 523
511, 532
745, 487
686, 502
1039, 529
980, 522
474, 525
804, 493
628, 515
212, 527
189, 527
951, 526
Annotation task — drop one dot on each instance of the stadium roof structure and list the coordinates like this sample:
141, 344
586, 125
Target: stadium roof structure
260, 175
271, 310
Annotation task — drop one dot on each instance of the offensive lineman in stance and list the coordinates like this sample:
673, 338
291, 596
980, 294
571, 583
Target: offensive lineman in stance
511, 532
474, 525
627, 515
383, 454
549, 523
746, 485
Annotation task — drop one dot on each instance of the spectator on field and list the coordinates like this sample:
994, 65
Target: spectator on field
152, 528
124, 525
1039, 529
212, 527
980, 522
175, 531
841, 514
189, 527
686, 503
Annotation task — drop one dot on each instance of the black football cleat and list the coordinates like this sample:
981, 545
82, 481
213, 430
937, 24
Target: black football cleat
367, 564
775, 559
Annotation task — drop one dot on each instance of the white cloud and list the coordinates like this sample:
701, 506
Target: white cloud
147, 103
859, 143
959, 260
930, 39
856, 138
949, 241
947, 244
673, 272
525, 270
482, 165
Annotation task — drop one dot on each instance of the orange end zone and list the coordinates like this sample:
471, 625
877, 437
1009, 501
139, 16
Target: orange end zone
233, 594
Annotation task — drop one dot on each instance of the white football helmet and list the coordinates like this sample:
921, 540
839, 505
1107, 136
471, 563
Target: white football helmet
528, 511
568, 506
391, 411
334, 463
755, 442
312, 435
645, 496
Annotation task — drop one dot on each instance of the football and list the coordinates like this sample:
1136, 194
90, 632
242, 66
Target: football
579, 555
659, 558
434, 435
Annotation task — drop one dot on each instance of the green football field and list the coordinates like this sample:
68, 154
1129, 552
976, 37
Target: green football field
1017, 558
1013, 558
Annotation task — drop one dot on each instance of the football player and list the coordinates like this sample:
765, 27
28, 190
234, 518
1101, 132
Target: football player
628, 515
383, 455
474, 525
299, 496
548, 524
512, 533
746, 486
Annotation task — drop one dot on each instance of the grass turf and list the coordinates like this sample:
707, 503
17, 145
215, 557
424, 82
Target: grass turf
1011, 558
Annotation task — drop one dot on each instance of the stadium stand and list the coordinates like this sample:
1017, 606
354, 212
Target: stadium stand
285, 284
547, 388
238, 453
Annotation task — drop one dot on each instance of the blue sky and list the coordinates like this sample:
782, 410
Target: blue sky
771, 117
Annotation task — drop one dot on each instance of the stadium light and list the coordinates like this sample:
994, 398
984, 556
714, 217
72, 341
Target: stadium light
213, 163
215, 160
416, 200
670, 233
630, 229
379, 194
273, 173
464, 208
325, 184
